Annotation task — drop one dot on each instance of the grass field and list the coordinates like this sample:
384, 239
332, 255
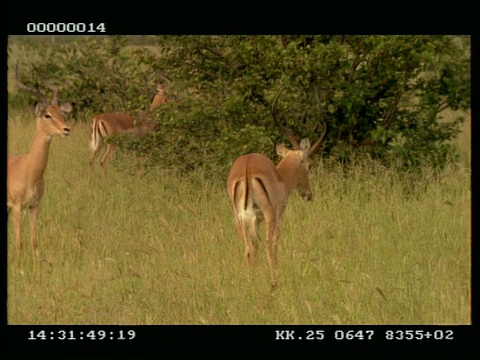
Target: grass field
162, 249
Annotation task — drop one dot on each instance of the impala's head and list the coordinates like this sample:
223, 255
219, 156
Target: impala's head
298, 163
159, 98
49, 115
50, 118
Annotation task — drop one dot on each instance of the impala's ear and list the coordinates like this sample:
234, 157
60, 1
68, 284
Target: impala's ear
305, 144
67, 107
281, 150
39, 106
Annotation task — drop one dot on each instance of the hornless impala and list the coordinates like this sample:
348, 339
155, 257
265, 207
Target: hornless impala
109, 124
258, 191
25, 182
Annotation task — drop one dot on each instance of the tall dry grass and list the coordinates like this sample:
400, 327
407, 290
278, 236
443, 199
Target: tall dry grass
372, 248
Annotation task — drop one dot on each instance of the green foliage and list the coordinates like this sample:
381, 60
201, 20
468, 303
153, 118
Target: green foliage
381, 96
98, 75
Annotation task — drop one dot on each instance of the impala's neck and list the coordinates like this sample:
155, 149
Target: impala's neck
38, 156
289, 171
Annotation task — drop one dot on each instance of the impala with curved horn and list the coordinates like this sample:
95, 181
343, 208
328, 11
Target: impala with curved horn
259, 190
25, 182
159, 98
109, 124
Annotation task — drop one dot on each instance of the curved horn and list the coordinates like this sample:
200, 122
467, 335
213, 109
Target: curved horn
54, 89
322, 138
55, 92
319, 142
31, 90
285, 131
164, 76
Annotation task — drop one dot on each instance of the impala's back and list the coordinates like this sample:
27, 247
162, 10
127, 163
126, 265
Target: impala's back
108, 124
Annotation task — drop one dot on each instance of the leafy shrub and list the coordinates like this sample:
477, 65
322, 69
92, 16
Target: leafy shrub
380, 96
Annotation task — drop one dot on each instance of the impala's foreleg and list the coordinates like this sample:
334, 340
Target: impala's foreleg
33, 229
95, 154
106, 157
17, 221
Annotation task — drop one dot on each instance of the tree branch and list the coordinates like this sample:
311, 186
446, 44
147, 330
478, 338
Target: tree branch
391, 111
442, 106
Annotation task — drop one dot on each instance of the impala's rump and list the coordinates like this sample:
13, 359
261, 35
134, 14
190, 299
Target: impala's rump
245, 200
250, 194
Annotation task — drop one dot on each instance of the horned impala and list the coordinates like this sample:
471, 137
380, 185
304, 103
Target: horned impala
109, 124
259, 190
25, 182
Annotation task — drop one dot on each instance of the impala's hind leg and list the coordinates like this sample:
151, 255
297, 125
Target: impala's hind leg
95, 154
253, 240
248, 234
242, 230
271, 244
106, 157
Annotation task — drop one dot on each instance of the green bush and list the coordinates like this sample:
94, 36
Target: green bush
379, 96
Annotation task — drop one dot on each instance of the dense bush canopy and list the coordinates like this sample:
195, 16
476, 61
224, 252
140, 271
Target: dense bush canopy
378, 96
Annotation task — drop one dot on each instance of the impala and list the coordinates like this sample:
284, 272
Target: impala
25, 182
259, 190
159, 98
109, 124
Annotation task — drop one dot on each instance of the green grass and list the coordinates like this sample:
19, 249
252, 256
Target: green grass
162, 249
